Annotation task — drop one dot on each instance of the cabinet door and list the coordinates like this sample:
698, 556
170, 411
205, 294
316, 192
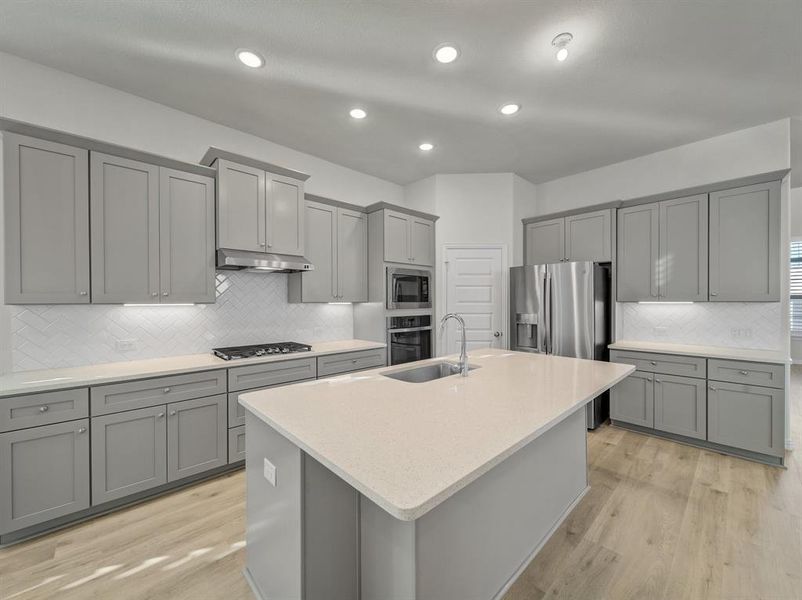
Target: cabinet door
545, 242
186, 232
396, 237
240, 207
46, 222
638, 252
680, 405
285, 215
632, 400
421, 245
588, 236
197, 436
125, 230
683, 249
129, 453
749, 417
44, 473
320, 285
352, 253
745, 243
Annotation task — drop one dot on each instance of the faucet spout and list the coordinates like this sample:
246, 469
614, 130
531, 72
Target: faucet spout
463, 354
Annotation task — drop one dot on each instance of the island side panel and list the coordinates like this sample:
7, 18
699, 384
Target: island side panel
387, 552
274, 513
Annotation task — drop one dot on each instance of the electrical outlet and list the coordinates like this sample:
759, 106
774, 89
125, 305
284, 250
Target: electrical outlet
741, 333
270, 472
125, 345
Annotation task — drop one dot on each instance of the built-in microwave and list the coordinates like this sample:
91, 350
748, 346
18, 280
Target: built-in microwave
408, 288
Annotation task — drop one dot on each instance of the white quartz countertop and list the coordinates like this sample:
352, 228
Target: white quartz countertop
23, 382
747, 354
410, 446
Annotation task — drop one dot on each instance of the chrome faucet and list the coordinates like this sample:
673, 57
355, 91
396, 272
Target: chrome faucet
463, 353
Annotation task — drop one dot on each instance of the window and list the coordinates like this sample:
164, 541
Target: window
796, 288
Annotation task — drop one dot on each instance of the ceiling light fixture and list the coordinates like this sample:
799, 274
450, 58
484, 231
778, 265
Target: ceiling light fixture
426, 146
446, 53
560, 42
358, 113
249, 58
509, 109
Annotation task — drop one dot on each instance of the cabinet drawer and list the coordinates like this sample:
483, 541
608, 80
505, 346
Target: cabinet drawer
116, 397
751, 373
236, 444
20, 412
351, 361
669, 364
236, 412
265, 375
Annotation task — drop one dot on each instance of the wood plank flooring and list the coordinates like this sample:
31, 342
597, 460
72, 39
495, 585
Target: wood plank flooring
662, 521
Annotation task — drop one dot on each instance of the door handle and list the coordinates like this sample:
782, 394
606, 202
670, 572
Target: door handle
497, 334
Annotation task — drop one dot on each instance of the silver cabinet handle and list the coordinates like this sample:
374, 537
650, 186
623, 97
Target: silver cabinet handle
262, 244
714, 293
82, 293
172, 413
154, 294
82, 430
653, 363
165, 293
712, 388
354, 361
166, 390
648, 379
744, 372
160, 415
43, 409
658, 381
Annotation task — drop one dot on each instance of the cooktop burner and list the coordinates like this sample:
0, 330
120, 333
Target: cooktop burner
235, 352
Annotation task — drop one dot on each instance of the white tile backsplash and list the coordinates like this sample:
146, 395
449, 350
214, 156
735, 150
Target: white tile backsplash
736, 324
250, 308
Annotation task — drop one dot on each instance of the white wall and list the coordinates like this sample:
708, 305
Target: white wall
50, 98
524, 200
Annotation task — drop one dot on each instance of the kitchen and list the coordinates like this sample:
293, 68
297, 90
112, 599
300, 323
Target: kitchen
172, 194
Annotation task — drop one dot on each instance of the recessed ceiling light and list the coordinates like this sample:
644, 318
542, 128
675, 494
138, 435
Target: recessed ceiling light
446, 53
358, 113
251, 59
509, 109
560, 42
426, 146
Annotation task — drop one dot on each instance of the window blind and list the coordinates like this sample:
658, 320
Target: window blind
796, 288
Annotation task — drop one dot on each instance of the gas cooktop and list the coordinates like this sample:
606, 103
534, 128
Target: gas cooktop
235, 352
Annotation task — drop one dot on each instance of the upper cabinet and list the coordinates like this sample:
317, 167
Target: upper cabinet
576, 237
337, 241
408, 239
152, 233
662, 251
46, 193
745, 243
260, 206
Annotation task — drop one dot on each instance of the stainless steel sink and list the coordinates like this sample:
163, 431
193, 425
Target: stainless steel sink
428, 372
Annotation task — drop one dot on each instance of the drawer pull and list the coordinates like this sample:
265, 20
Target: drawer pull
712, 388
658, 381
653, 363
160, 415
82, 430
354, 361
648, 379
744, 372
172, 413
43, 408
166, 390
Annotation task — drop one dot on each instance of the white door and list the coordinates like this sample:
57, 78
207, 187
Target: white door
475, 281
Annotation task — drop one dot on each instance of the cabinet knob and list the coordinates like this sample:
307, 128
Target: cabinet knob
154, 294
354, 361
744, 372
43, 409
653, 363
82, 293
82, 430
172, 413
160, 415
262, 244
714, 293
165, 293
648, 379
658, 381
165, 390
712, 388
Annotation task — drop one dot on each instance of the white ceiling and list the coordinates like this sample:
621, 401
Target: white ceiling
642, 75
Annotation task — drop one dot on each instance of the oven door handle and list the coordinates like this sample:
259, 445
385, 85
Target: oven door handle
409, 329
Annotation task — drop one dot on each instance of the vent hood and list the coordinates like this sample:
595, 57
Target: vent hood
261, 262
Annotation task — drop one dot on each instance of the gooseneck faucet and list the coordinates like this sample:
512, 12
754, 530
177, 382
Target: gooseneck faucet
463, 353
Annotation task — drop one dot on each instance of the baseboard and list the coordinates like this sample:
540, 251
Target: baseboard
252, 584
505, 588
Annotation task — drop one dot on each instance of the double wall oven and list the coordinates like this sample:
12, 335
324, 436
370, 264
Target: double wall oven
409, 338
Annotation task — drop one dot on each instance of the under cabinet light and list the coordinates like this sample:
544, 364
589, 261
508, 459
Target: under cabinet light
162, 304
339, 303
663, 302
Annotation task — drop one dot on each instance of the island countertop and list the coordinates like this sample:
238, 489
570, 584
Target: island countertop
410, 446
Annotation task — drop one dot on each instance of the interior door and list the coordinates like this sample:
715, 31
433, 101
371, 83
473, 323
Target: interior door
474, 290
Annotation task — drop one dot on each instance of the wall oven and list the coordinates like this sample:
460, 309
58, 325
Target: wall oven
408, 288
409, 339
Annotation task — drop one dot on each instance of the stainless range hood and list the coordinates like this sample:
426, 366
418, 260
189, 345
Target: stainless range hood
261, 262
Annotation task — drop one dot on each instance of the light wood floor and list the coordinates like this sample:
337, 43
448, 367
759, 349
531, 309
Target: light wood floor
662, 521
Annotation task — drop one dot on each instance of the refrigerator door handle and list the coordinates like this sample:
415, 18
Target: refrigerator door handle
547, 314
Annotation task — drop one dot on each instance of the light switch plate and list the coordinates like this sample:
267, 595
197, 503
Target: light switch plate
270, 472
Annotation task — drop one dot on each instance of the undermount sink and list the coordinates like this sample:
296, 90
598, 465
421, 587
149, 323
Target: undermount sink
428, 372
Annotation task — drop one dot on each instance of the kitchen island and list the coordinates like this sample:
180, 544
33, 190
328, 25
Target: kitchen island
364, 486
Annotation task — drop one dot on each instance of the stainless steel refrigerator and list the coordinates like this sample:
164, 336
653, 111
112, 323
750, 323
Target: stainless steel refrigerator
563, 309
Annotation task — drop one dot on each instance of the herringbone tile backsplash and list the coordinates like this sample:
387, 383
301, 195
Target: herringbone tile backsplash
250, 308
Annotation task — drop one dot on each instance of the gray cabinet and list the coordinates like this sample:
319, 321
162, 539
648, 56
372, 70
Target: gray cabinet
682, 262
129, 453
125, 230
638, 249
632, 400
46, 192
236, 444
745, 243
285, 215
44, 474
32, 410
408, 239
337, 240
545, 242
186, 237
197, 436
421, 241
680, 405
588, 236
335, 364
746, 416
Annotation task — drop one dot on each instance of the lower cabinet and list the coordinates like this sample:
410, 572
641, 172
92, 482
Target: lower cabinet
632, 400
129, 453
236, 444
44, 473
196, 436
746, 416
680, 405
